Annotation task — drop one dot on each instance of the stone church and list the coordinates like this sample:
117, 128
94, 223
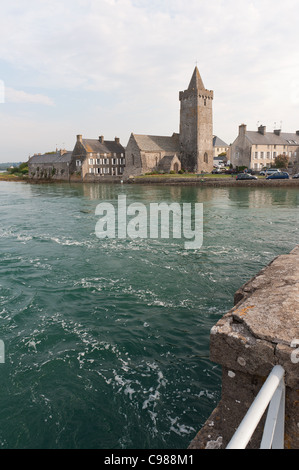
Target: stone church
191, 149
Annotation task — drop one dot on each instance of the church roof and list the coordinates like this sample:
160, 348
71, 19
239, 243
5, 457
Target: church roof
156, 143
196, 82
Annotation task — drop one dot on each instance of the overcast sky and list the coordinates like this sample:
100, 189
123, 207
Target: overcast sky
112, 67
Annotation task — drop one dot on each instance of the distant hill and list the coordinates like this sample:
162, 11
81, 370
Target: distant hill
4, 166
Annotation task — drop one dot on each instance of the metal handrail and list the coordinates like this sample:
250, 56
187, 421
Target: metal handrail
271, 394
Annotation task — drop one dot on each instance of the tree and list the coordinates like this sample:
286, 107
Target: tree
281, 161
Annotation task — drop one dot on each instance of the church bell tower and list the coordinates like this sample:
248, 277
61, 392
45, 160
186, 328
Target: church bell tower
196, 126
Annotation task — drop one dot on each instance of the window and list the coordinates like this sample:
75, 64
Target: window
114, 161
91, 161
256, 154
78, 163
268, 154
91, 170
262, 154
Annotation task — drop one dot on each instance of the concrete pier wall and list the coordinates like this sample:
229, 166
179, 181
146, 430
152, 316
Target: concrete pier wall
260, 331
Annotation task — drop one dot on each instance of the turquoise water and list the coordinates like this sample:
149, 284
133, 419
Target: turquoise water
107, 341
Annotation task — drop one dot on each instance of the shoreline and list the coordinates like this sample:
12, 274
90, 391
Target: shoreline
181, 181
221, 182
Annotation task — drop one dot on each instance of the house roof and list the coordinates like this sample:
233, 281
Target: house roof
108, 146
155, 143
51, 158
291, 138
270, 138
217, 142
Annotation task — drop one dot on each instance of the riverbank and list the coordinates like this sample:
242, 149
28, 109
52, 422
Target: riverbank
9, 177
211, 181
215, 182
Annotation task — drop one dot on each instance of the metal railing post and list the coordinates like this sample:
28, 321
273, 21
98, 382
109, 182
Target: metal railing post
274, 386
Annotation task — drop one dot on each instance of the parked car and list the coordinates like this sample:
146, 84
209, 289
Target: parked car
269, 171
216, 171
246, 176
278, 176
296, 176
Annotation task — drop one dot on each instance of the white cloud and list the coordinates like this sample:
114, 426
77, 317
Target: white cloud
19, 96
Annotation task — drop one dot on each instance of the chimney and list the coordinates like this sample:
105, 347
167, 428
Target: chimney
101, 139
79, 138
242, 129
117, 140
277, 131
262, 130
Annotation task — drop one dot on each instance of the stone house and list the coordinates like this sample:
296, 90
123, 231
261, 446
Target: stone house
219, 146
50, 165
258, 149
148, 153
93, 159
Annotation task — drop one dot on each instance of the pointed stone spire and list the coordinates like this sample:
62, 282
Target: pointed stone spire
196, 82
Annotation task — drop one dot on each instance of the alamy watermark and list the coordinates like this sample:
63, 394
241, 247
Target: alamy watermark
136, 220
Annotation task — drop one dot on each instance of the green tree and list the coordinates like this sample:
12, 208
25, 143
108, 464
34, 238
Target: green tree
281, 161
